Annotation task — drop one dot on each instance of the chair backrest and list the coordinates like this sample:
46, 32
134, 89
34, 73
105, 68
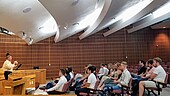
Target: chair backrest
130, 83
96, 84
166, 81
66, 86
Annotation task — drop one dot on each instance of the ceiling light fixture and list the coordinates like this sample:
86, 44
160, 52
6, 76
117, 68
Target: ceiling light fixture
26, 10
31, 40
24, 35
49, 26
74, 24
75, 2
164, 27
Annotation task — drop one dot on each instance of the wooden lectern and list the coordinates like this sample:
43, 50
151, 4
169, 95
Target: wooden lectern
14, 86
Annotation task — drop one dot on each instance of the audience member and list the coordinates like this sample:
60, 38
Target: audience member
149, 71
158, 74
124, 79
91, 81
112, 76
103, 70
51, 87
70, 70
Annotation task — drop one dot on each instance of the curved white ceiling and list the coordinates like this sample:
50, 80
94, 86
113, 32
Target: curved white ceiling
72, 16
64, 18
34, 23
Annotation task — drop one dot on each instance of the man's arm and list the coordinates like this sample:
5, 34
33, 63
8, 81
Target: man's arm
152, 76
57, 86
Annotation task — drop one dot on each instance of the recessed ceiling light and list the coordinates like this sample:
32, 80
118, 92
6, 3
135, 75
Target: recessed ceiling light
75, 2
26, 10
163, 27
41, 27
65, 27
74, 24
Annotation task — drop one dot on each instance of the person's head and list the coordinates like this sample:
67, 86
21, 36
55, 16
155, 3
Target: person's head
123, 65
150, 62
106, 65
110, 66
66, 71
69, 68
8, 57
86, 66
102, 65
91, 69
157, 61
142, 63
62, 72
115, 66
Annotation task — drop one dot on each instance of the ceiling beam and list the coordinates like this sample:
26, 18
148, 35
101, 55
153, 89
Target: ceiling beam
105, 4
149, 22
152, 6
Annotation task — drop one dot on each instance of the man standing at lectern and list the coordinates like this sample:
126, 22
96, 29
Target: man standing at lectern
8, 66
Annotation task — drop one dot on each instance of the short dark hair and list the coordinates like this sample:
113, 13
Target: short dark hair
92, 68
142, 62
67, 72
69, 68
157, 59
7, 55
63, 71
150, 61
102, 64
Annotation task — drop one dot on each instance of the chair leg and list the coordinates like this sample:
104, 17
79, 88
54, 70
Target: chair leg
159, 93
148, 92
154, 93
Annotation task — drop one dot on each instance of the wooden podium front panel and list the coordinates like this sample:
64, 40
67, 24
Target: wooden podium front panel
40, 74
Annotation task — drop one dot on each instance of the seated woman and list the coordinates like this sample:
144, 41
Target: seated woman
114, 74
116, 85
60, 84
91, 81
109, 80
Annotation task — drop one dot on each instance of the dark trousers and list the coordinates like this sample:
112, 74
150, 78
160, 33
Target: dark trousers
84, 90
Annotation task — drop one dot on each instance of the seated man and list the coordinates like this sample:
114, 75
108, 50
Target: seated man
149, 71
124, 79
60, 84
67, 75
79, 78
141, 70
91, 81
103, 70
159, 74
70, 70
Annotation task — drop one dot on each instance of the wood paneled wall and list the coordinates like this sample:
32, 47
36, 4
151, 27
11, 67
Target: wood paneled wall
95, 49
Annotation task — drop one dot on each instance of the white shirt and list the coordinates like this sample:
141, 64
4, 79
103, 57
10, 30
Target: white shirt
71, 75
101, 71
92, 80
125, 77
104, 71
161, 74
8, 66
59, 85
